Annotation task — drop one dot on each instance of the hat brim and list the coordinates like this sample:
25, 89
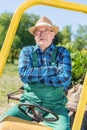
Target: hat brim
33, 28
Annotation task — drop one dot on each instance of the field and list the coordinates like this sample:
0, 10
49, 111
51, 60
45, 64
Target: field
9, 82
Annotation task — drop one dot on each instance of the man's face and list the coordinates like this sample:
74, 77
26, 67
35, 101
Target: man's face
44, 36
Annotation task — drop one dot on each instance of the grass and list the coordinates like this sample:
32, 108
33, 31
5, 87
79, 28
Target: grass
9, 82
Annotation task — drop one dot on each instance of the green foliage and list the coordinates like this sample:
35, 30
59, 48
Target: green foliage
5, 19
22, 37
79, 43
22, 32
79, 63
79, 66
66, 33
14, 54
80, 37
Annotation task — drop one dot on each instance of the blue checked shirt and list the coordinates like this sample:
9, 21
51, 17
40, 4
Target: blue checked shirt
44, 72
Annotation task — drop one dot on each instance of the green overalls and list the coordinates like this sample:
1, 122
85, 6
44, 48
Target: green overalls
52, 98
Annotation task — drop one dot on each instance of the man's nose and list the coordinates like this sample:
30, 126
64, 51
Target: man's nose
42, 33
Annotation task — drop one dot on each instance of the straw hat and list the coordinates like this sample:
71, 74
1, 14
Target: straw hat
43, 22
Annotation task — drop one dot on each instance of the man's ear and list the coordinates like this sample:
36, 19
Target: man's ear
53, 35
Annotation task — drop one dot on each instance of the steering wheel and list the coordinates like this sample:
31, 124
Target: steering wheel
36, 114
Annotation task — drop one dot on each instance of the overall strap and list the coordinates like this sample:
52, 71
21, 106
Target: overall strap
35, 57
54, 56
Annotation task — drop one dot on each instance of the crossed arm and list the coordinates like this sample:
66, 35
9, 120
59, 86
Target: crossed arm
57, 75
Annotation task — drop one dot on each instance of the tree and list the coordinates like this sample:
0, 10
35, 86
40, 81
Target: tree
5, 19
22, 37
80, 37
66, 33
25, 37
59, 38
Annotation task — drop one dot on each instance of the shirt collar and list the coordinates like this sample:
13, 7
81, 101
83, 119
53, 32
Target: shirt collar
50, 49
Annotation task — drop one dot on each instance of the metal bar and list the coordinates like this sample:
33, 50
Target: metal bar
81, 107
66, 5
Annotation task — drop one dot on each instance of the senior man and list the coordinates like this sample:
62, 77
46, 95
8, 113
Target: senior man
45, 70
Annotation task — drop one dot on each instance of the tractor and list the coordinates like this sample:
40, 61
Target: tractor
5, 52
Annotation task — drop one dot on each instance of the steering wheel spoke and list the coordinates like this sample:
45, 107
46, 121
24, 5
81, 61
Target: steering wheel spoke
33, 112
